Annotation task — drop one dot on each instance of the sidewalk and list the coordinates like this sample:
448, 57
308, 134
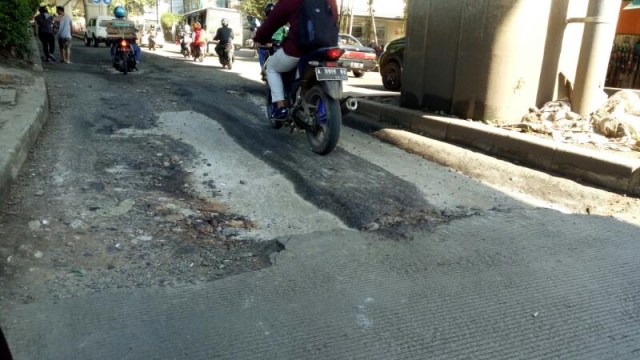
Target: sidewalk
23, 111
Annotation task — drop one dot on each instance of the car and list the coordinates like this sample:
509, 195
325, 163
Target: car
391, 62
96, 31
143, 34
357, 57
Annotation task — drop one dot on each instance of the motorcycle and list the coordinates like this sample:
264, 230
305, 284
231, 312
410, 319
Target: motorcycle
197, 52
152, 41
123, 59
185, 45
313, 91
226, 56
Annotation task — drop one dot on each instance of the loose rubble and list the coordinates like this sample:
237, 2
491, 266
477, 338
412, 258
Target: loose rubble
614, 126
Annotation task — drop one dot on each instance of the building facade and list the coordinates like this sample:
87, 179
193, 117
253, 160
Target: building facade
387, 16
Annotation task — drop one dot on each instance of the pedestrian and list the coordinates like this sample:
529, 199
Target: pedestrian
44, 27
64, 34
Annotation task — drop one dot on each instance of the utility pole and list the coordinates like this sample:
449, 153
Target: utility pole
157, 13
599, 32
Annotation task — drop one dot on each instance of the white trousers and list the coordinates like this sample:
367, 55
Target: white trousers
279, 63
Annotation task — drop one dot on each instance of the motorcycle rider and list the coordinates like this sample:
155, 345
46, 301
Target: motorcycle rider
120, 13
276, 39
198, 38
285, 58
152, 38
185, 43
224, 36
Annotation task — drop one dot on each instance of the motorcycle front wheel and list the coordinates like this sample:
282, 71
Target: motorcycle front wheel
324, 134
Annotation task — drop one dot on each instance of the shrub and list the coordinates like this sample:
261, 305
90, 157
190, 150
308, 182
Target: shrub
14, 20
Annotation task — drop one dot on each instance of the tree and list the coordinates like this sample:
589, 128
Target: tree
133, 7
253, 7
14, 30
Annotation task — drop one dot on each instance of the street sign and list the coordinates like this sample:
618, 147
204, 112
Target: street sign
107, 2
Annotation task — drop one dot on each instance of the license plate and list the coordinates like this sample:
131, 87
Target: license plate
331, 73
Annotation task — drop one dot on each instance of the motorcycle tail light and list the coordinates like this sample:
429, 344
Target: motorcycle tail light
124, 43
331, 64
334, 53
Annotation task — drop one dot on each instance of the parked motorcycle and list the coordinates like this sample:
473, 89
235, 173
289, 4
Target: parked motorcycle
185, 45
124, 59
314, 91
226, 56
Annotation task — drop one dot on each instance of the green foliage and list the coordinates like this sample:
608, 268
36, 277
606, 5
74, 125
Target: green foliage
253, 7
14, 21
168, 19
133, 7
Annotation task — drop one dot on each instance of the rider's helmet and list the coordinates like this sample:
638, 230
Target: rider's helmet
196, 25
225, 22
119, 12
268, 8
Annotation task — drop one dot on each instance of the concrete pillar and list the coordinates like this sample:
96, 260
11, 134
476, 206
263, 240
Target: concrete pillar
599, 33
478, 59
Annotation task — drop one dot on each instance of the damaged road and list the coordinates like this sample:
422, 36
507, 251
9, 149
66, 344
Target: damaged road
160, 217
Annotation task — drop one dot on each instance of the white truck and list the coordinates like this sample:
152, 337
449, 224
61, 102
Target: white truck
210, 19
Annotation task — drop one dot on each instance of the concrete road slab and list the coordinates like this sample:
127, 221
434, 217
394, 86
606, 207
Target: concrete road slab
531, 284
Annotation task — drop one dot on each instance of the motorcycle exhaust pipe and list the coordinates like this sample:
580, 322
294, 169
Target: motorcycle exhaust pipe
351, 103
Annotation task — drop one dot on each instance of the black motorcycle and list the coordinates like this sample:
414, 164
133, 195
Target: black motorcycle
314, 91
226, 55
185, 44
124, 58
197, 52
152, 41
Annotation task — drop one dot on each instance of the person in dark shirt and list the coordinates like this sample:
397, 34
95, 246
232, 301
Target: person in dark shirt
224, 35
44, 26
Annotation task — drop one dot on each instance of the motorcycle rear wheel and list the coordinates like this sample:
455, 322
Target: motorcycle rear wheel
125, 65
323, 136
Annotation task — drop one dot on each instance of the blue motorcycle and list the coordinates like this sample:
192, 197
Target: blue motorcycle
314, 91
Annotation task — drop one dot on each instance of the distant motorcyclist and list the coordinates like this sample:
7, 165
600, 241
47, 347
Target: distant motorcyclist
120, 13
199, 38
224, 36
152, 38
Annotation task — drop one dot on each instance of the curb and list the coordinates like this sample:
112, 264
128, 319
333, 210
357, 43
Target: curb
605, 170
23, 124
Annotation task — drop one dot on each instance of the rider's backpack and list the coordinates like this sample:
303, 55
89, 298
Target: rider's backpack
317, 26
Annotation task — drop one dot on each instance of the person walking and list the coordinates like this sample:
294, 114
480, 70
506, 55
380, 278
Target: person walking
64, 34
44, 26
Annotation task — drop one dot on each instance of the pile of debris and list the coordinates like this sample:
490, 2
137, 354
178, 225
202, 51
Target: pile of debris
615, 125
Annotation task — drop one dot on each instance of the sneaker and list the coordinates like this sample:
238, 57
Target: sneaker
52, 58
280, 113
